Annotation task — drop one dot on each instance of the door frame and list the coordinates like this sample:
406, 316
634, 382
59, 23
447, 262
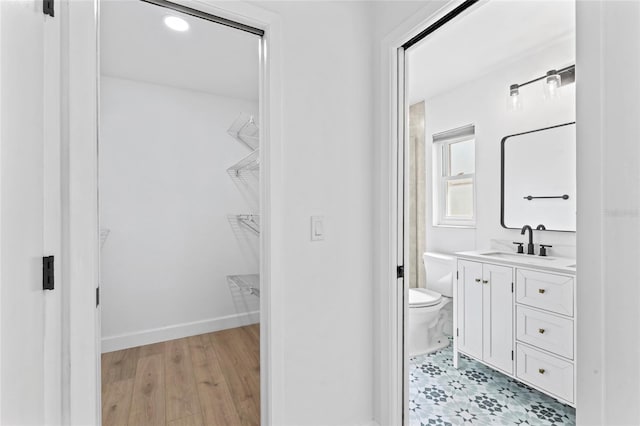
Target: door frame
391, 291
47, 313
79, 176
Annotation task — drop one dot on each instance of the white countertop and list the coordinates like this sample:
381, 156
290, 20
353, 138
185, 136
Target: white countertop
548, 263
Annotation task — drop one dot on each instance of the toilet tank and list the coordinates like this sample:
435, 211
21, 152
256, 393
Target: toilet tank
440, 269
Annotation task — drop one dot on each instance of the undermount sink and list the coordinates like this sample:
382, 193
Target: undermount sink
516, 256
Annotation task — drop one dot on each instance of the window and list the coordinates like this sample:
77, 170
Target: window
454, 183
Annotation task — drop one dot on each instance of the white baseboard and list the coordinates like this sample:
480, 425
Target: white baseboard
162, 334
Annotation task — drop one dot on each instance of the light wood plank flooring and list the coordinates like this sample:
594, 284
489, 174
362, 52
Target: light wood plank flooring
210, 379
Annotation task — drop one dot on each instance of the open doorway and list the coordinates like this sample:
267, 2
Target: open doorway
489, 160
179, 185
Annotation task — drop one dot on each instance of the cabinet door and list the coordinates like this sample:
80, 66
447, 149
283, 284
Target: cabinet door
497, 317
470, 308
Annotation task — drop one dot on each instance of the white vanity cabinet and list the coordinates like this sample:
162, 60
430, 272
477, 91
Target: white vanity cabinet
519, 319
485, 313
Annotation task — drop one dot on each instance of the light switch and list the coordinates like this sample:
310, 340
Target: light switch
317, 228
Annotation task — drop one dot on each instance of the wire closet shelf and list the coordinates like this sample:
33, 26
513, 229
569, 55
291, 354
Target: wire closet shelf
245, 130
250, 222
249, 283
250, 163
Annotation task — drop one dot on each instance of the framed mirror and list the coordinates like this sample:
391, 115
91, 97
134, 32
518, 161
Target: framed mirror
539, 179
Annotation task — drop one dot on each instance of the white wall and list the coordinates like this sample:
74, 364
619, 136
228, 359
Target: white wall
165, 195
482, 102
609, 230
327, 353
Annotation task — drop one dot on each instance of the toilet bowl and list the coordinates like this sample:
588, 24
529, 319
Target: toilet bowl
427, 313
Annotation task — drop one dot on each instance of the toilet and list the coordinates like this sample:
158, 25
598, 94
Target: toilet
427, 306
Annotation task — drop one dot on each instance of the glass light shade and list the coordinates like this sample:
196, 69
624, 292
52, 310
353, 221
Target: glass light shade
552, 85
514, 100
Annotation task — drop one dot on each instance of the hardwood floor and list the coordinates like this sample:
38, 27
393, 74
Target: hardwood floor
210, 379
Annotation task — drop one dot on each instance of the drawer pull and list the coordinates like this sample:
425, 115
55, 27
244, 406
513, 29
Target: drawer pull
541, 290
541, 330
485, 281
478, 280
541, 370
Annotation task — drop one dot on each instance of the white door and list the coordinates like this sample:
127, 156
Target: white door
497, 317
469, 309
30, 339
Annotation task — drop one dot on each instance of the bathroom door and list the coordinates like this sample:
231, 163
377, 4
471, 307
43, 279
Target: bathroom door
30, 317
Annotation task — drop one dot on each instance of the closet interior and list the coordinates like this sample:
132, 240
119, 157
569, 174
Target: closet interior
179, 186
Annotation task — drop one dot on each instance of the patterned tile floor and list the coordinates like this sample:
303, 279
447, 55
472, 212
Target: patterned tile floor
475, 394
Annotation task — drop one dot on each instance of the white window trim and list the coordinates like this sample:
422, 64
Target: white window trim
441, 158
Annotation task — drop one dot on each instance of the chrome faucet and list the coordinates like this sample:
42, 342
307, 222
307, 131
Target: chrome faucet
530, 245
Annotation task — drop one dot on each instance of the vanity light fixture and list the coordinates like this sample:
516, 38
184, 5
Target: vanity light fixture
176, 23
553, 80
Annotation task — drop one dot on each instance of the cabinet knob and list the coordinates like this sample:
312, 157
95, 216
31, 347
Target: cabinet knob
541, 370
541, 330
485, 281
541, 290
478, 280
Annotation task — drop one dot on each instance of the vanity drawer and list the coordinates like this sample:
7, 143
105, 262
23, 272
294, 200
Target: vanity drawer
545, 291
546, 331
547, 372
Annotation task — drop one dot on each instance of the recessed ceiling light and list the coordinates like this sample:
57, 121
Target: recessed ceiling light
176, 24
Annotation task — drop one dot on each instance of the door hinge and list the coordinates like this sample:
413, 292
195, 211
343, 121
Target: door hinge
47, 7
457, 332
400, 271
511, 355
47, 273
97, 296
457, 275
511, 287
